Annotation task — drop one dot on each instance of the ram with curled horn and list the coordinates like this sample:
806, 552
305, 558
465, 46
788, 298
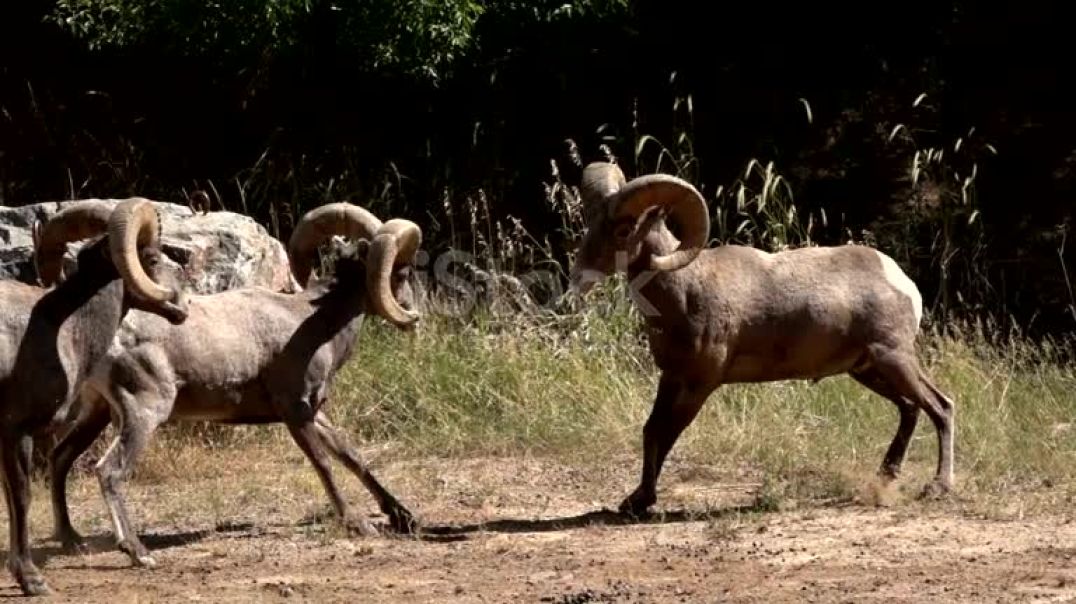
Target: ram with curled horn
734, 314
52, 335
250, 356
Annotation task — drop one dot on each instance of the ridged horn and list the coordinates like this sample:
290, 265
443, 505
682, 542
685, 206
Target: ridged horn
395, 244
317, 225
683, 203
134, 225
76, 222
599, 182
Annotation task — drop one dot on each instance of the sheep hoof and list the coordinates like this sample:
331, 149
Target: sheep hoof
33, 584
402, 521
359, 527
935, 491
638, 503
76, 548
28, 577
73, 544
138, 554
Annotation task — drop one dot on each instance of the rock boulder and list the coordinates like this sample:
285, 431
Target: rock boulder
222, 250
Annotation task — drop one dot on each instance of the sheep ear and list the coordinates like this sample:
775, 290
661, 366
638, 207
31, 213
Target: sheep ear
624, 231
628, 232
646, 220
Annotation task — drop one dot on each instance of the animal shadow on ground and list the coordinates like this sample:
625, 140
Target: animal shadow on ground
603, 517
105, 542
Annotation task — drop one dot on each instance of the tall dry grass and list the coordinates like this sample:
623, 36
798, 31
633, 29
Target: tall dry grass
490, 375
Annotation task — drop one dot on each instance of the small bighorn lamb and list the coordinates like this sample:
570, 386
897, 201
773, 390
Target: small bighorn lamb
737, 314
249, 356
50, 337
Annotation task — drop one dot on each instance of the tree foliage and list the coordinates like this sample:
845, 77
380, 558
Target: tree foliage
418, 38
414, 37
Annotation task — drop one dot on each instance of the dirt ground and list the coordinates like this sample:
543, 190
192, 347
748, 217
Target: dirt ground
537, 530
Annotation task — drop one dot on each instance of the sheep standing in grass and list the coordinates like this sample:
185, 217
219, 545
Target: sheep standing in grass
249, 356
737, 314
50, 337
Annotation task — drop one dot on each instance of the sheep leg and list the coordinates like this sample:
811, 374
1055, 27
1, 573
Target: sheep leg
902, 372
309, 439
942, 413
675, 406
16, 451
80, 435
114, 469
400, 517
909, 417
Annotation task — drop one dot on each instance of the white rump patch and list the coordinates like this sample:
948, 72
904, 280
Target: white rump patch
896, 277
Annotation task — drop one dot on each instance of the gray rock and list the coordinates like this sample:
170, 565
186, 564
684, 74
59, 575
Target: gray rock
222, 250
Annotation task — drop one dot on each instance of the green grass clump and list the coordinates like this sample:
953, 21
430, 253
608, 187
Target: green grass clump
504, 387
492, 387
579, 383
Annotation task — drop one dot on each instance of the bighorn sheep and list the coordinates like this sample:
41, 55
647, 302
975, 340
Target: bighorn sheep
50, 337
249, 356
734, 314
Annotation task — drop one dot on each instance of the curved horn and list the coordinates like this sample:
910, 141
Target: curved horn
600, 181
395, 244
319, 224
78, 221
134, 225
681, 201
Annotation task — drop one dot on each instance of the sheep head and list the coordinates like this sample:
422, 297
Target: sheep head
386, 251
152, 282
619, 214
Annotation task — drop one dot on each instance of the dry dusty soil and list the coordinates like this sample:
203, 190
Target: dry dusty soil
537, 530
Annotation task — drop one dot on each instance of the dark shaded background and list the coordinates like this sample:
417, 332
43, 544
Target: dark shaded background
276, 135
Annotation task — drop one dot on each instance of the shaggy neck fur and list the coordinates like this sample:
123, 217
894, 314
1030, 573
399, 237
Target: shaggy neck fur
338, 305
91, 310
67, 331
